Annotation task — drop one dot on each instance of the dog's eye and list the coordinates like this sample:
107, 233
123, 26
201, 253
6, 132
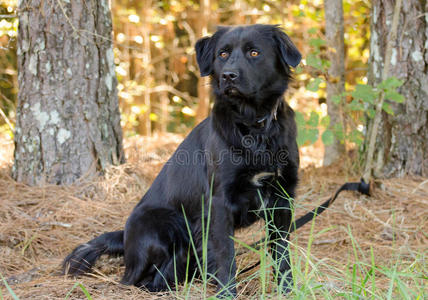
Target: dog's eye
254, 53
224, 54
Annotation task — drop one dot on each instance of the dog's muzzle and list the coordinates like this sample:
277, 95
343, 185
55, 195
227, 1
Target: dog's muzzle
232, 91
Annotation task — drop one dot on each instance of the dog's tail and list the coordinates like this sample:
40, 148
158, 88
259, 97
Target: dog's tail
84, 256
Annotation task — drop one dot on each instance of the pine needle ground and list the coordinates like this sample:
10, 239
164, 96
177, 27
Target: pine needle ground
361, 247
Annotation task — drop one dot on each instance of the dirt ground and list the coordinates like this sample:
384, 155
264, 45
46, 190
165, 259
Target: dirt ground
39, 226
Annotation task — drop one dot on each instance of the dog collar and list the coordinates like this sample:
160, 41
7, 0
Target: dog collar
261, 123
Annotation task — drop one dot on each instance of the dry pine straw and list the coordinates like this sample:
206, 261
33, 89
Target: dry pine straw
39, 226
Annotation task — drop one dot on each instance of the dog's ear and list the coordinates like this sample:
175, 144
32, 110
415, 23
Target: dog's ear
205, 48
288, 52
205, 55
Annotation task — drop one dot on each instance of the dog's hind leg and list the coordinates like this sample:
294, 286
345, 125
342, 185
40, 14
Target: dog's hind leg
137, 267
84, 256
154, 239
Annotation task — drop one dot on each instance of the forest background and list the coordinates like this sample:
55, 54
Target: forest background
159, 86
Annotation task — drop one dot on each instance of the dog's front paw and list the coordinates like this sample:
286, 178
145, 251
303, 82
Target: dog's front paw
286, 284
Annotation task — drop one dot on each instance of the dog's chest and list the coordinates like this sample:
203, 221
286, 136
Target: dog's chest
251, 193
256, 180
259, 179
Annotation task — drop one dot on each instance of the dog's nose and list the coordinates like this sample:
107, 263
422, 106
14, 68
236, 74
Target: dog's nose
231, 76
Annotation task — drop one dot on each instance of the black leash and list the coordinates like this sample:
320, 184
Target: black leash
362, 187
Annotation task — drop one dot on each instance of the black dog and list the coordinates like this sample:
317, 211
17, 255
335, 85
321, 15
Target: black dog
238, 160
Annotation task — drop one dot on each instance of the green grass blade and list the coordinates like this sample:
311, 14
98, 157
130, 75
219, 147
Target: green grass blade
373, 273
85, 291
9, 289
82, 287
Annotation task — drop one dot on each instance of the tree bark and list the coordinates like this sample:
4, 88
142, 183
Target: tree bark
68, 119
334, 31
402, 143
203, 108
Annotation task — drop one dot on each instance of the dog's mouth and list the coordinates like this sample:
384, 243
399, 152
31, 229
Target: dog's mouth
232, 91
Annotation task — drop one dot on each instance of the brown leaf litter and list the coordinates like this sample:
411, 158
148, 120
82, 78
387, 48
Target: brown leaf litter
39, 226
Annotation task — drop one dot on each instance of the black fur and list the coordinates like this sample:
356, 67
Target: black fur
246, 148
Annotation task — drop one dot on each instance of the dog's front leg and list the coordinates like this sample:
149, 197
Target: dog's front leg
279, 235
224, 253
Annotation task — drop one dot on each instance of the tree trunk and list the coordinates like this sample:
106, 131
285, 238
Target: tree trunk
203, 108
402, 143
68, 120
334, 31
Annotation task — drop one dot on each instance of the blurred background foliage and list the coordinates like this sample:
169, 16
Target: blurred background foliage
157, 71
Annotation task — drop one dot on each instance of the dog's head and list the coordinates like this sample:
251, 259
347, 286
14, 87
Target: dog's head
247, 62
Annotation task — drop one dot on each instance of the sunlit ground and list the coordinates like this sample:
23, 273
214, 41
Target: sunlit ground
40, 225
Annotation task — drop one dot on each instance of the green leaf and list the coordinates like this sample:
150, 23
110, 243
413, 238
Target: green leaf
316, 42
300, 119
325, 121
312, 30
313, 119
307, 135
391, 83
325, 64
313, 61
365, 93
298, 69
301, 137
371, 113
356, 137
327, 137
387, 108
355, 105
338, 132
394, 96
313, 85
336, 99
313, 135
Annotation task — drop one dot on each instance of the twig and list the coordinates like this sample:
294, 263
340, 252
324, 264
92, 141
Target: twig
190, 32
6, 119
419, 186
329, 241
388, 53
61, 224
8, 16
172, 90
